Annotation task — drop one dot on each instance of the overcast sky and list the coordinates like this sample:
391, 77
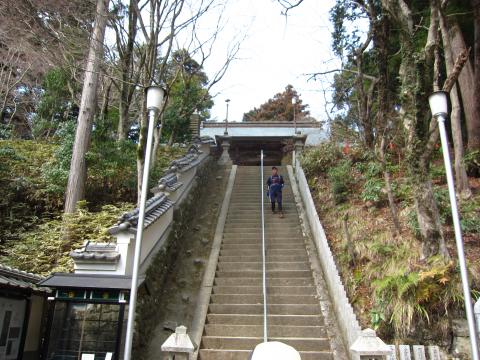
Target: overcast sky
277, 51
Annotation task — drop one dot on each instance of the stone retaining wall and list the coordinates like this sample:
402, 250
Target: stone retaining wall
152, 291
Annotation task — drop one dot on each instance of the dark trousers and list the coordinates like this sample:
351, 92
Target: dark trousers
276, 195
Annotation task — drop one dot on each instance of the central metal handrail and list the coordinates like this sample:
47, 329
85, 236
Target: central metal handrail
265, 324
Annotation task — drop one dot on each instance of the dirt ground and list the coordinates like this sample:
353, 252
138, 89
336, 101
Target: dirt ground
178, 302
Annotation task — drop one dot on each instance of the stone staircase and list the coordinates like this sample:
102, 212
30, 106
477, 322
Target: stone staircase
234, 324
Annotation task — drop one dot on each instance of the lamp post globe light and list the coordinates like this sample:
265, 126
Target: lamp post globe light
226, 118
155, 96
439, 108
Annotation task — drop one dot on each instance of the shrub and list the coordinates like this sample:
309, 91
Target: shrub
406, 296
340, 180
412, 220
22, 196
373, 190
319, 159
402, 190
44, 249
470, 215
443, 203
373, 186
472, 162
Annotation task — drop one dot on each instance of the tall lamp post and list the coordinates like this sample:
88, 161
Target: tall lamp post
439, 108
226, 118
294, 103
155, 95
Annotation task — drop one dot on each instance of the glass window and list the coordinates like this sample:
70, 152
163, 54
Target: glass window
80, 328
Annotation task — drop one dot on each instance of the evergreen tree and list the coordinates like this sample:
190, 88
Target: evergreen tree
279, 108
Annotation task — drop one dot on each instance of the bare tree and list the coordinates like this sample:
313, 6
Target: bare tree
78, 169
165, 22
43, 34
126, 37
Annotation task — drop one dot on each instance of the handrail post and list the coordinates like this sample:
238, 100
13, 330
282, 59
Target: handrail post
265, 325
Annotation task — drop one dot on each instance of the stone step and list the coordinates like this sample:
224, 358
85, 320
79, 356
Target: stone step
269, 243
255, 197
257, 221
258, 258
268, 232
253, 227
271, 290
258, 266
270, 246
257, 207
275, 309
273, 331
257, 239
258, 299
270, 221
271, 281
249, 343
248, 319
239, 252
288, 213
214, 354
291, 229
270, 274
269, 240
256, 233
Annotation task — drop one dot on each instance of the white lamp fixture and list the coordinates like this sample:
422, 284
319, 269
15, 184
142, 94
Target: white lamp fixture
438, 103
439, 108
155, 95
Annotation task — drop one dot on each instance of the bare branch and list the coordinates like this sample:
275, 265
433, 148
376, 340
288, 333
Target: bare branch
288, 5
313, 76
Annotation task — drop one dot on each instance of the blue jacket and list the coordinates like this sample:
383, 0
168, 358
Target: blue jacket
275, 183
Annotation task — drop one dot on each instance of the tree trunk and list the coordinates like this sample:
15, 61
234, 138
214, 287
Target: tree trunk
466, 81
105, 102
416, 76
123, 110
474, 140
388, 187
142, 143
381, 31
455, 116
428, 217
170, 139
78, 169
157, 137
126, 87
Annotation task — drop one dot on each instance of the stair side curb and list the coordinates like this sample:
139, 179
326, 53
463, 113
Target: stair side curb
203, 299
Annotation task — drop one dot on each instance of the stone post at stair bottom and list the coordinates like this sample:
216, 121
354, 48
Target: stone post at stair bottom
225, 158
369, 347
178, 345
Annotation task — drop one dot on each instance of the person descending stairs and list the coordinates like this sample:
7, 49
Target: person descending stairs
234, 324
